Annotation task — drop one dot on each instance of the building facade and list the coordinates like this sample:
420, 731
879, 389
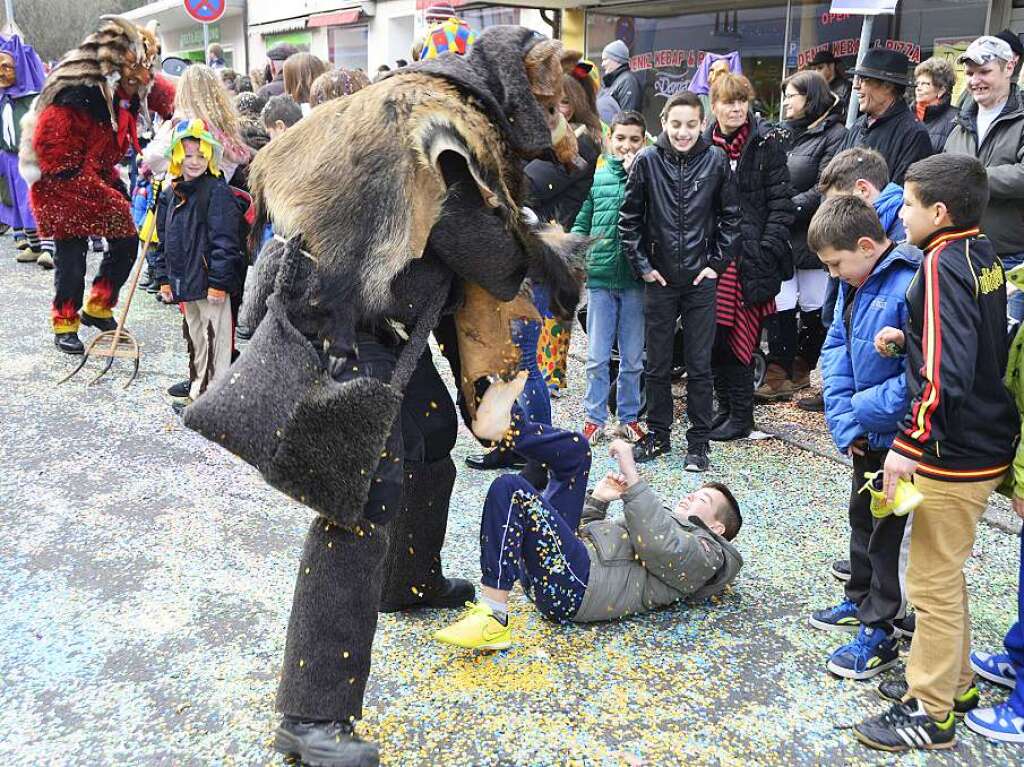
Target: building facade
182, 36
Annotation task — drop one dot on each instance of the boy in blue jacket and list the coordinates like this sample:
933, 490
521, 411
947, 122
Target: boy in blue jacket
199, 258
865, 400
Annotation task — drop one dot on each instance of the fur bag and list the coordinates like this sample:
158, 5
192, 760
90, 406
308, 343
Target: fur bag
312, 438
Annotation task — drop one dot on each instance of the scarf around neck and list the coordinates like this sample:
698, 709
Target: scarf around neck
733, 145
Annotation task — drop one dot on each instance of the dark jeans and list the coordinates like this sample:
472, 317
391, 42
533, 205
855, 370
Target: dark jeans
1014, 642
789, 338
877, 555
530, 535
662, 305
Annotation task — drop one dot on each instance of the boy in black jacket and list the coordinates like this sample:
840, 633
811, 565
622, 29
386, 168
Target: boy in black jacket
956, 441
199, 259
678, 224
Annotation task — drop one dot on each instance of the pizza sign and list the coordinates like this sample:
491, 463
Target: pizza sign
205, 11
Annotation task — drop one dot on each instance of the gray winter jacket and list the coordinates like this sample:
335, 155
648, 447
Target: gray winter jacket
1002, 154
648, 559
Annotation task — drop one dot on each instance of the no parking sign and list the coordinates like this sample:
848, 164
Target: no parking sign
205, 11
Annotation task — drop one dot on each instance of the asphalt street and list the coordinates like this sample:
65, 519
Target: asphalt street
146, 578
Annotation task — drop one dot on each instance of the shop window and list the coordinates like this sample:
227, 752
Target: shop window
347, 46
481, 18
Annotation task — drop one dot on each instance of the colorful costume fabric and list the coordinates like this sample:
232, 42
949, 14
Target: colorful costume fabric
452, 35
15, 101
83, 123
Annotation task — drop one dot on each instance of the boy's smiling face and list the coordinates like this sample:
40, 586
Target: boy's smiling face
625, 140
682, 125
920, 221
194, 165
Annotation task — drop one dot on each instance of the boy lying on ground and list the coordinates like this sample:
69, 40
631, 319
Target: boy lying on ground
574, 562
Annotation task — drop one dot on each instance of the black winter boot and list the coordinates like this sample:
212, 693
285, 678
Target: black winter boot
324, 744
741, 404
412, 566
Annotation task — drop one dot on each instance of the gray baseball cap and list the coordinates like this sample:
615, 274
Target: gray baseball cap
985, 49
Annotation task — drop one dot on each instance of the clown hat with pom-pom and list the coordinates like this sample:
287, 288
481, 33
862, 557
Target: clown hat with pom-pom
198, 130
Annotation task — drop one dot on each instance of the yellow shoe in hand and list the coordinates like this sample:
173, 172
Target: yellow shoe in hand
905, 500
478, 629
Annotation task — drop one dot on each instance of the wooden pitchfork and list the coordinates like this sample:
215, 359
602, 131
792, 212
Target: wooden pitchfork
118, 342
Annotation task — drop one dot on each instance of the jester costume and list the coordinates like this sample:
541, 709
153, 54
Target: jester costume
83, 123
21, 78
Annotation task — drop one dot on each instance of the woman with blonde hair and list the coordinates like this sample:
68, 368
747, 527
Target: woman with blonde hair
300, 70
336, 83
201, 95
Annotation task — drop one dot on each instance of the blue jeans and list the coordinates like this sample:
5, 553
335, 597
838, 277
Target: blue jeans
1014, 643
535, 399
1015, 305
529, 535
614, 316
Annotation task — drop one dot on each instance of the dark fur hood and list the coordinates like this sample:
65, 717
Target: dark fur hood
493, 73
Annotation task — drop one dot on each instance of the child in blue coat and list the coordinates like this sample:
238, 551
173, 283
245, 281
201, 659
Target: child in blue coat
865, 400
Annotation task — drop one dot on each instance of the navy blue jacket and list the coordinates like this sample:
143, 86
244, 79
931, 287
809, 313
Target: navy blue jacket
198, 250
866, 393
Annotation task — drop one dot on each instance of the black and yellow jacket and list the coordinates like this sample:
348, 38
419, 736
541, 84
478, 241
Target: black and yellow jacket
962, 424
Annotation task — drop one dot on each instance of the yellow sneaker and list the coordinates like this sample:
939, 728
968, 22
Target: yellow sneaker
906, 499
478, 629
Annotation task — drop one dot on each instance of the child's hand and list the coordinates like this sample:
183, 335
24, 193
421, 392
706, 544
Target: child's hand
215, 296
622, 452
707, 273
627, 160
610, 488
889, 342
654, 276
165, 293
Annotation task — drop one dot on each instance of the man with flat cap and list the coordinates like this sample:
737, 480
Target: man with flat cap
828, 66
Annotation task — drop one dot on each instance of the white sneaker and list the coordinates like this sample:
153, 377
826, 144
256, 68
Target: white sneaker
45, 260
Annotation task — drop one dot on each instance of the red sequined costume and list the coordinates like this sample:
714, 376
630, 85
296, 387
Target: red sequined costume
83, 125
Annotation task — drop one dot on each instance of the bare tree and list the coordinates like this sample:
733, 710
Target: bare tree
54, 27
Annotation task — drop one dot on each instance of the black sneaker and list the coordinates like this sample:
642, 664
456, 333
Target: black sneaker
904, 727
815, 404
896, 689
69, 343
180, 390
841, 570
498, 458
453, 594
100, 323
324, 743
697, 458
651, 447
906, 625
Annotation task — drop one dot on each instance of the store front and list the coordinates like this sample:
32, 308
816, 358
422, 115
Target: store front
772, 38
183, 37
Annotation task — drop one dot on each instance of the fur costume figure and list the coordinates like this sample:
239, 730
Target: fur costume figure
421, 198
21, 79
83, 123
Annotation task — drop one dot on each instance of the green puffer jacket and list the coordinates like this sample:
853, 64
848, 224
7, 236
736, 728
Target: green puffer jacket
607, 266
1013, 483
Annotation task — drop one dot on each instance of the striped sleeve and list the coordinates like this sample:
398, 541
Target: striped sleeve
949, 341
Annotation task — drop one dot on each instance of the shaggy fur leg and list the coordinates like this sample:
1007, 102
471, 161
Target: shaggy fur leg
333, 620
412, 565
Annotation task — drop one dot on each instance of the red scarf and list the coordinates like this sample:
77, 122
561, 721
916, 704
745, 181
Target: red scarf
733, 145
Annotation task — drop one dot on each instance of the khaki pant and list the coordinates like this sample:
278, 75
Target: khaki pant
944, 527
208, 333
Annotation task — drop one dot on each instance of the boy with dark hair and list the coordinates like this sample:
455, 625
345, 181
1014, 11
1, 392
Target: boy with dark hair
279, 114
573, 562
956, 440
865, 399
615, 297
863, 172
679, 223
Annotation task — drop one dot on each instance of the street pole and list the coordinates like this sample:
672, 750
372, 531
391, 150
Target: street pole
9, 12
206, 42
866, 29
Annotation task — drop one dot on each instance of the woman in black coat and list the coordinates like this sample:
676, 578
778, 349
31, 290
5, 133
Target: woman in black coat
814, 122
933, 93
762, 259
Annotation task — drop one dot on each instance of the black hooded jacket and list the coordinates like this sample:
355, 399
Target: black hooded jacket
681, 211
763, 255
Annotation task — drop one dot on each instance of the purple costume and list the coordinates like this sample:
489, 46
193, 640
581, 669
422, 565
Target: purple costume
14, 103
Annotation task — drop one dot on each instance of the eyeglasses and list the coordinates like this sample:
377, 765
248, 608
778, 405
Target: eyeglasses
788, 96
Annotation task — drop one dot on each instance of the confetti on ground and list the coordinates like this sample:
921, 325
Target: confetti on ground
148, 576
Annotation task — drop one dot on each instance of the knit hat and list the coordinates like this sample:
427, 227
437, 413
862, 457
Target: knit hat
452, 35
616, 50
439, 12
208, 146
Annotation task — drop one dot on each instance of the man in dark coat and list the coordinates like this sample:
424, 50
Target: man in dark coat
886, 123
829, 67
619, 81
276, 57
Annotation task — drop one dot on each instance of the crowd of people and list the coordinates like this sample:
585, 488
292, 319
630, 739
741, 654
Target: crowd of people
884, 255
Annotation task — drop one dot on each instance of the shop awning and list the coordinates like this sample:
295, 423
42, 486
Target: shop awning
336, 18
276, 27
